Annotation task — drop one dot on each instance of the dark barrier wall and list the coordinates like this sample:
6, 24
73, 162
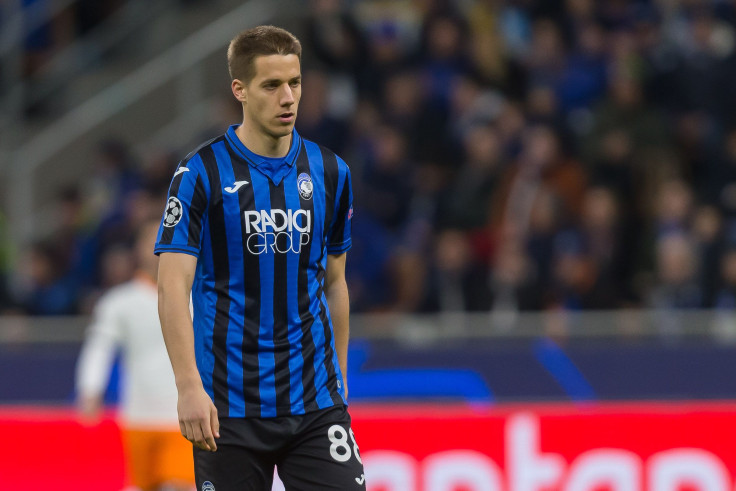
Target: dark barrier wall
476, 370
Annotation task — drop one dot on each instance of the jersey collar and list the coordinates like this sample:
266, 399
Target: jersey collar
273, 168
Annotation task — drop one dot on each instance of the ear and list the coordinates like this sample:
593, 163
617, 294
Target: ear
238, 89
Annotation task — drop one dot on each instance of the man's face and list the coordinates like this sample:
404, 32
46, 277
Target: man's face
272, 96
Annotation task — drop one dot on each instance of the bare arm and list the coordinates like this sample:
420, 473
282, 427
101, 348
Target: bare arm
336, 290
197, 414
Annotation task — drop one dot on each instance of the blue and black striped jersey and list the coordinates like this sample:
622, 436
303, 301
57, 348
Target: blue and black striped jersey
261, 229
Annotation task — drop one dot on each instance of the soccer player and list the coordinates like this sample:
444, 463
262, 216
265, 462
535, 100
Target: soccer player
256, 227
126, 318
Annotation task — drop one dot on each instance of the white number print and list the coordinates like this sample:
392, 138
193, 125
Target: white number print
339, 448
355, 446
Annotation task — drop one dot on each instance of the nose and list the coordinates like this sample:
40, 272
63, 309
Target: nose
287, 95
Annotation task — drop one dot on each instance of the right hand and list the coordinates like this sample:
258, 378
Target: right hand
198, 419
90, 409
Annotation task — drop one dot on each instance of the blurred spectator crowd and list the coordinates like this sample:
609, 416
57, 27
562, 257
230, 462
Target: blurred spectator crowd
506, 155
45, 30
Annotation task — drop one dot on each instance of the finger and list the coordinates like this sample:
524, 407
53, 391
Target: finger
209, 439
215, 422
188, 433
206, 429
199, 439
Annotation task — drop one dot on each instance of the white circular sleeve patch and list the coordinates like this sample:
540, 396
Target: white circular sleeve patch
173, 212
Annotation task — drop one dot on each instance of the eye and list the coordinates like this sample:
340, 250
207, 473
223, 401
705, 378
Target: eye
295, 83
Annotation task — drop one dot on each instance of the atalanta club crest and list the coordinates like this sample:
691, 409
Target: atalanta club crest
173, 212
304, 183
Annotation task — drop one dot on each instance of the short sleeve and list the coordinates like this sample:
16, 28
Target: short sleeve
340, 239
185, 210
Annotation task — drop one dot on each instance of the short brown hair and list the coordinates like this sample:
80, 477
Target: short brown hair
258, 41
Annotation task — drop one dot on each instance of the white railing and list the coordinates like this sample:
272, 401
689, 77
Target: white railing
623, 325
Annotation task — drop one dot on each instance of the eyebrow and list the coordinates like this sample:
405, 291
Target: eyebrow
278, 80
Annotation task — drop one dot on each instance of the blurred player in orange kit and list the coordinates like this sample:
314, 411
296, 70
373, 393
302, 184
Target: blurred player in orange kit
126, 318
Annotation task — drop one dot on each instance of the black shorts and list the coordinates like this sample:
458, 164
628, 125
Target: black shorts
314, 451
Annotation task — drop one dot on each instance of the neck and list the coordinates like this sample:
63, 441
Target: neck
147, 274
263, 144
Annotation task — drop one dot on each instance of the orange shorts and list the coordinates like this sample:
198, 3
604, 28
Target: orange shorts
158, 456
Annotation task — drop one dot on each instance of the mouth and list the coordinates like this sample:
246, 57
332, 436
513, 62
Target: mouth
286, 117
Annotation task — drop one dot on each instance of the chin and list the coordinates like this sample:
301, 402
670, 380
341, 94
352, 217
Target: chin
282, 131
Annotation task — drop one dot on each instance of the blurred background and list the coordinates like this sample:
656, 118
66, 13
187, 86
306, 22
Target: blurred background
544, 232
